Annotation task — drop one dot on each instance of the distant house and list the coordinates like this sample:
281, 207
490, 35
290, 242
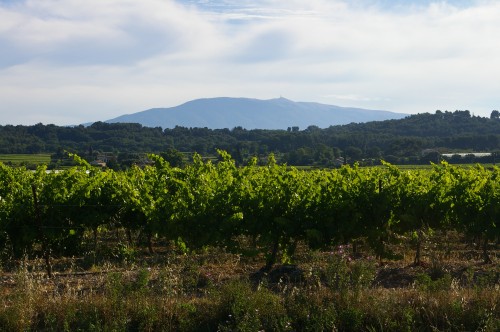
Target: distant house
465, 154
101, 160
98, 162
339, 162
429, 151
144, 161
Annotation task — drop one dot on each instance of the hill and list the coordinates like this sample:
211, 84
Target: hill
279, 113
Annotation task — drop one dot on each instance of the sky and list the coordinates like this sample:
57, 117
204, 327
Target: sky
74, 61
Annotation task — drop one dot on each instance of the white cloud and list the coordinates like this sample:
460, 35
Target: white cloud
94, 32
73, 61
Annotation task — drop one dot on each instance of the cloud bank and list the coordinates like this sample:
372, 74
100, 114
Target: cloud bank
73, 61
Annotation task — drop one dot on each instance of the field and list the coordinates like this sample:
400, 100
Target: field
27, 159
123, 288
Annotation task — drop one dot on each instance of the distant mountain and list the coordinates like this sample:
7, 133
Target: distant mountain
279, 113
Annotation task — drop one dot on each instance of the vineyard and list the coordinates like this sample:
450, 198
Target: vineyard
250, 211
214, 204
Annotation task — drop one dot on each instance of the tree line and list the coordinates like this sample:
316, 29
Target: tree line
401, 141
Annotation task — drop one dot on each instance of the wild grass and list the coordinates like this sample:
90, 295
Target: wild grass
214, 290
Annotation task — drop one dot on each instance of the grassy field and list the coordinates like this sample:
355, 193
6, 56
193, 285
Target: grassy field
430, 166
121, 287
18, 159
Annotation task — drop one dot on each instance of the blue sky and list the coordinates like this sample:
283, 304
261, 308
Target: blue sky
74, 61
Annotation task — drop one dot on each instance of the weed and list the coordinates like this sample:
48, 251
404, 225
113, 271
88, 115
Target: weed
311, 311
350, 319
124, 253
249, 310
342, 275
168, 283
141, 281
426, 284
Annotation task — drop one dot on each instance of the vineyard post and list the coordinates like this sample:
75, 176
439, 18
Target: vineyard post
45, 249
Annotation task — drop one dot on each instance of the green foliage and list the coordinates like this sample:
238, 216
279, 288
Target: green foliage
311, 313
350, 319
216, 203
425, 283
343, 276
402, 141
124, 253
248, 310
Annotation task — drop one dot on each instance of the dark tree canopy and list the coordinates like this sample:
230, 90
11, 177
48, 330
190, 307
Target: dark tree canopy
401, 141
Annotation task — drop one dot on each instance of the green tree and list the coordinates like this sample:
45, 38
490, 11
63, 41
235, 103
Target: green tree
173, 157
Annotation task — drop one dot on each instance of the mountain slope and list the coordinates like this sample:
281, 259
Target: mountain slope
279, 113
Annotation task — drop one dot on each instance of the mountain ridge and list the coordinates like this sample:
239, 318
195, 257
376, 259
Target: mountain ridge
249, 113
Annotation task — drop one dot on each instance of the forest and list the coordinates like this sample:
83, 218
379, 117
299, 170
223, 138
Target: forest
417, 139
